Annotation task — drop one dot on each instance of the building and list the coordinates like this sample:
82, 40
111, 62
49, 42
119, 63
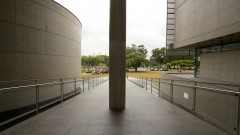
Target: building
38, 40
212, 28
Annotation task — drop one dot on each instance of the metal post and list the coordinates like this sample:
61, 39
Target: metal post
88, 84
37, 97
159, 88
62, 89
194, 96
83, 84
151, 85
97, 81
75, 85
171, 91
238, 113
142, 82
146, 83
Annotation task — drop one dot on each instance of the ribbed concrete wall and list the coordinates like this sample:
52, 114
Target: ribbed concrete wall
38, 39
201, 20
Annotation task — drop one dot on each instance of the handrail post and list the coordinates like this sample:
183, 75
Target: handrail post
171, 91
142, 82
238, 112
97, 81
37, 97
194, 96
62, 89
83, 84
159, 88
146, 83
151, 85
88, 84
138, 81
75, 85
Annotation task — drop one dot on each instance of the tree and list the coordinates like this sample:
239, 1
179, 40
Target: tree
158, 55
183, 64
94, 61
135, 60
142, 49
135, 48
131, 49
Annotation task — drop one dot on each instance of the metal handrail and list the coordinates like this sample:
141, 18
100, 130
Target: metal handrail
35, 85
38, 85
209, 89
199, 87
214, 89
188, 80
170, 96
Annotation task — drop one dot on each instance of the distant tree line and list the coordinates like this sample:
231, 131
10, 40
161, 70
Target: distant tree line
93, 61
159, 59
136, 56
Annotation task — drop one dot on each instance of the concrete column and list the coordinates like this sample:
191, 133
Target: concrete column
117, 55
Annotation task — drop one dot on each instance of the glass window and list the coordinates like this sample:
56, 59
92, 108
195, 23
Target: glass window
231, 47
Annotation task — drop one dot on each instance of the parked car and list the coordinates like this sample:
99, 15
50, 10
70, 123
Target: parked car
163, 69
90, 71
105, 71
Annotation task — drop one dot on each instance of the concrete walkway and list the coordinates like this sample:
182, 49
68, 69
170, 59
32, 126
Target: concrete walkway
88, 114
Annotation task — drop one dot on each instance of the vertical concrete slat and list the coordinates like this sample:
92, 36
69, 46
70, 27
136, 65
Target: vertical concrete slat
117, 54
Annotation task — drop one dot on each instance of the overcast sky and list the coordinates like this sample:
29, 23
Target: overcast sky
146, 20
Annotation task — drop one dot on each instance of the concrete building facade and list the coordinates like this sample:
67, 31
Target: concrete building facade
212, 27
38, 40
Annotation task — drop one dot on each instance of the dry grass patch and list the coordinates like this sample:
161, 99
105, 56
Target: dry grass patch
93, 76
149, 74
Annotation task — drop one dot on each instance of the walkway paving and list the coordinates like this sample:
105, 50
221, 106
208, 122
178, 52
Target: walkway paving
88, 114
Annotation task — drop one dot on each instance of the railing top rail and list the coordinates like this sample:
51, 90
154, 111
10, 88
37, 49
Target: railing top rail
230, 92
34, 85
189, 80
27, 80
38, 79
38, 84
210, 89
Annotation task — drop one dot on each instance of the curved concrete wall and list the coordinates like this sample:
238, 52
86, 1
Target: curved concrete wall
201, 20
38, 39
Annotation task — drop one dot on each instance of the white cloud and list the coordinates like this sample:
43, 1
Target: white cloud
146, 20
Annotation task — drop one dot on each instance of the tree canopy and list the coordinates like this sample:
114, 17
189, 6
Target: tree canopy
135, 60
159, 59
158, 55
135, 48
93, 61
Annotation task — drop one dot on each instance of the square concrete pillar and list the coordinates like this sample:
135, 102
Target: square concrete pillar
117, 55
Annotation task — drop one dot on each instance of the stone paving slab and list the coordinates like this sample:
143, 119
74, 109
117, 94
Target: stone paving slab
88, 114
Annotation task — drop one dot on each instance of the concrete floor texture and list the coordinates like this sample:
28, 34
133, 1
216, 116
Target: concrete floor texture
89, 114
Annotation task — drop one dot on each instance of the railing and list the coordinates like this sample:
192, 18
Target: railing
19, 98
217, 103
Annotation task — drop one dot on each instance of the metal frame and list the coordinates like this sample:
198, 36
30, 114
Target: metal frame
195, 88
37, 86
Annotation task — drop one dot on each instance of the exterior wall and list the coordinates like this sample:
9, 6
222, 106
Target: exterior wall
201, 20
38, 39
221, 66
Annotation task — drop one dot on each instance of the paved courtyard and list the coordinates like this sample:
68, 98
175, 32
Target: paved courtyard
88, 114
